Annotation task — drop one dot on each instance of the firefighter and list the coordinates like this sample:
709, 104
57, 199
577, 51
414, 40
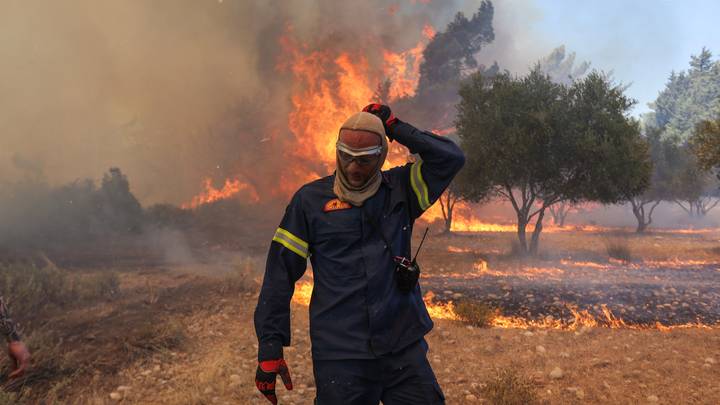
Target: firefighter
18, 352
367, 316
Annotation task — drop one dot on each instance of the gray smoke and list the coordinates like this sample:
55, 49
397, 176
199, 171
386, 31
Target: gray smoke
175, 91
169, 91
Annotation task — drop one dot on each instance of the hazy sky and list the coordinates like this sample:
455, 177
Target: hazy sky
642, 41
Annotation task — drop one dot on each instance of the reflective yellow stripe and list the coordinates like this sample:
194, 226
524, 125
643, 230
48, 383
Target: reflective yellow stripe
419, 186
292, 237
292, 242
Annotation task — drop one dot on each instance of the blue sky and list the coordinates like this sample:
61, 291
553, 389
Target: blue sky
641, 41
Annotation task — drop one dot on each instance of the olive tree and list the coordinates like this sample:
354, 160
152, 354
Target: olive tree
535, 143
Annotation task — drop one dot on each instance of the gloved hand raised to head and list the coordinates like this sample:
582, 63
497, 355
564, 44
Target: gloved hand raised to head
386, 116
266, 375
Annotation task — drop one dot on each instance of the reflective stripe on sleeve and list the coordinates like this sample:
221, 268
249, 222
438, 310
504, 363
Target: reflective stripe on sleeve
419, 186
292, 242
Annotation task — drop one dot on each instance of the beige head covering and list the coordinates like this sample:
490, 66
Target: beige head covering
362, 121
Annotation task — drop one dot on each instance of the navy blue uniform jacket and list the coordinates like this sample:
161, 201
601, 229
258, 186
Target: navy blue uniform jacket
356, 309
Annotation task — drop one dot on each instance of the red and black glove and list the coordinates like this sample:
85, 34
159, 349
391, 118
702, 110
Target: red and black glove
266, 374
385, 114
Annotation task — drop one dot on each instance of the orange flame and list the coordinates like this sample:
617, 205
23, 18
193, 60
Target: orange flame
581, 318
229, 189
303, 293
465, 220
402, 68
327, 87
439, 310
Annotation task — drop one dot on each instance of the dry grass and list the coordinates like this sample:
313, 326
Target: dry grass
214, 379
509, 387
496, 248
53, 366
475, 313
91, 287
30, 289
8, 398
155, 336
239, 280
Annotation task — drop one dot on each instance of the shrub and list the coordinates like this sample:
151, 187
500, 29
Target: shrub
618, 249
475, 313
509, 387
30, 288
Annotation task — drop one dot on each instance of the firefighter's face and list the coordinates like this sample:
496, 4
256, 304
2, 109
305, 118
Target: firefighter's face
358, 169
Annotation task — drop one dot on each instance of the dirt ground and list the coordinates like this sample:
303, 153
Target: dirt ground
214, 362
598, 365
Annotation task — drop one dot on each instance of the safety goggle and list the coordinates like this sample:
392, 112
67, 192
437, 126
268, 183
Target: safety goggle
361, 156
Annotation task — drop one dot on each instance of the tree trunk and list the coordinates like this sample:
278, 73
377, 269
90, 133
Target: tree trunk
522, 239
696, 209
639, 212
644, 218
641, 226
535, 241
448, 218
562, 218
559, 212
447, 204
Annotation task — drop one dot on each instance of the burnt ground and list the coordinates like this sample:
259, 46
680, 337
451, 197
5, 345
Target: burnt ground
652, 287
112, 351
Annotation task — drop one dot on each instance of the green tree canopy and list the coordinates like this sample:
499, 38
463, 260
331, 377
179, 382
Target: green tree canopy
689, 97
683, 114
706, 144
535, 143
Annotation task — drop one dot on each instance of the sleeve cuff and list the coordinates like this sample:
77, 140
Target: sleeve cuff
270, 351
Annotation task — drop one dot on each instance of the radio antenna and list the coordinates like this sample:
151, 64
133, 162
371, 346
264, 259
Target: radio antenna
421, 243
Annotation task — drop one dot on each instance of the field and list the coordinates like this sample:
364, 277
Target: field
602, 316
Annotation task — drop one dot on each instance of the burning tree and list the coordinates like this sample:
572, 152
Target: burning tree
448, 58
535, 143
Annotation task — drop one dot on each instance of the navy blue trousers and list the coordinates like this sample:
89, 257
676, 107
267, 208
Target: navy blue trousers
403, 378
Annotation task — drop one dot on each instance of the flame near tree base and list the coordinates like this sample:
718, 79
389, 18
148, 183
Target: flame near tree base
582, 319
